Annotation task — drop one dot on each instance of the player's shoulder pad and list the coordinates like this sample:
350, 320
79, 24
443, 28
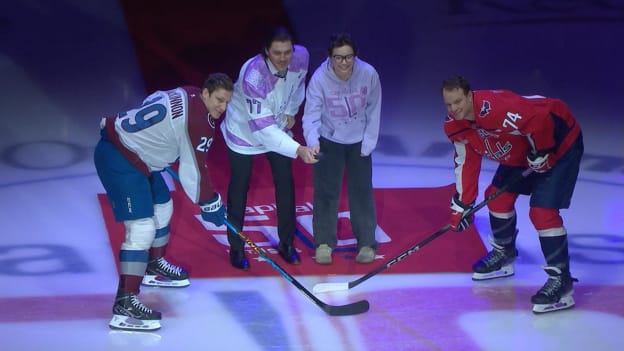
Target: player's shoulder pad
363, 67
191, 91
300, 59
557, 106
257, 78
153, 97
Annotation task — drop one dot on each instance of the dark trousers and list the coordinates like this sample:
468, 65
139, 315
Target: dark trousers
552, 189
328, 174
240, 169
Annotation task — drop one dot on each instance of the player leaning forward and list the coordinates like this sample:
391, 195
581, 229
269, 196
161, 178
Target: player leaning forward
517, 132
134, 148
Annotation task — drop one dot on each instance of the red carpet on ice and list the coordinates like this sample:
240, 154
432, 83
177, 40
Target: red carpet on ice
405, 217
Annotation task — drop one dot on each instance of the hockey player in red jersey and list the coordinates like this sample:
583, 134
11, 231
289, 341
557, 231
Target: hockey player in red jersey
517, 132
135, 147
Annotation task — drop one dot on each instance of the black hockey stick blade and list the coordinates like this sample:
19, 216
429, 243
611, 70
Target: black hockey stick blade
325, 287
346, 310
341, 310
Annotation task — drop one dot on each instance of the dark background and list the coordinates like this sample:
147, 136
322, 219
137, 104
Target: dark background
84, 60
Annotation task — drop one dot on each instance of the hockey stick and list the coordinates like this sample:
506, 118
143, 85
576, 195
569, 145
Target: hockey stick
342, 310
325, 287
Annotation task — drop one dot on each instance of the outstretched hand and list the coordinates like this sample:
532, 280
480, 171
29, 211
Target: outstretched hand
307, 154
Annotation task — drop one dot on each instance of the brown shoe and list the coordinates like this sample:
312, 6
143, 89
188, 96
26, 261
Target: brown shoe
323, 254
365, 255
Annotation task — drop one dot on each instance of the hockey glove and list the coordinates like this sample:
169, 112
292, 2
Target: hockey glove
213, 211
459, 221
540, 162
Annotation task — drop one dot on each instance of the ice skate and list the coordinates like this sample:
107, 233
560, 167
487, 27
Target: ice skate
497, 263
556, 294
130, 314
161, 273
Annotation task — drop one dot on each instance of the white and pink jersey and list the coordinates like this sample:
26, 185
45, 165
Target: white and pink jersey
254, 121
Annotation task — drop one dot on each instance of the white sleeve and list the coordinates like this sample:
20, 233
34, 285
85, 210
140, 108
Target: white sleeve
297, 99
278, 141
300, 63
188, 165
188, 171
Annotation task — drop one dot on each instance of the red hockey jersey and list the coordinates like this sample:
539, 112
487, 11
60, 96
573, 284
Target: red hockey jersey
506, 127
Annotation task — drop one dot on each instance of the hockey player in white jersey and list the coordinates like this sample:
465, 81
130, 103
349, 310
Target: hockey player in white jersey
267, 96
135, 147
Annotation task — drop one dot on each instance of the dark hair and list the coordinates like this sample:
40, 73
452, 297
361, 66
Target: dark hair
455, 82
341, 39
276, 34
217, 81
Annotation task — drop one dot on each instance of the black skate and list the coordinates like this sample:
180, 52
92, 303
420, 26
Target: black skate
497, 263
556, 294
161, 273
130, 314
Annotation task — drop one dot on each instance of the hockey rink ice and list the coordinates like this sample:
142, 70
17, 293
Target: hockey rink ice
58, 274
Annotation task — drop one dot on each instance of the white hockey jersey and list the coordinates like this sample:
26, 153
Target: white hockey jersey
254, 121
169, 126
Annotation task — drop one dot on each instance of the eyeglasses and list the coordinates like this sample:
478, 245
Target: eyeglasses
341, 58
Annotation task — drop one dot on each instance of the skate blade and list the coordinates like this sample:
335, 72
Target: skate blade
505, 271
564, 303
128, 323
158, 280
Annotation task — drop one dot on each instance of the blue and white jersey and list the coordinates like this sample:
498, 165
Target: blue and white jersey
254, 121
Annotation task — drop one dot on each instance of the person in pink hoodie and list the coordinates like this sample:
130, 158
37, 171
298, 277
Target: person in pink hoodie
341, 121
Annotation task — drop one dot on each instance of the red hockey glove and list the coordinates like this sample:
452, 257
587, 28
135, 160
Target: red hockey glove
459, 222
541, 162
213, 211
